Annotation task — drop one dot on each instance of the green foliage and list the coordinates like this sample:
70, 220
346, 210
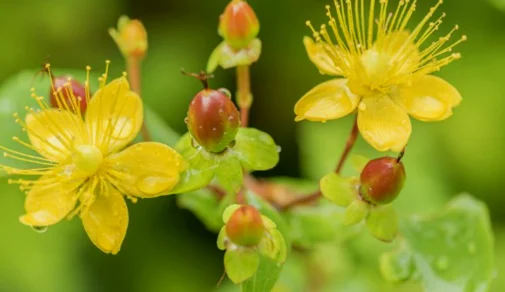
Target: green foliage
448, 251
253, 149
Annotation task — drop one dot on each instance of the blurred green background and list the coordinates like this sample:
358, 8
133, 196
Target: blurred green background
168, 249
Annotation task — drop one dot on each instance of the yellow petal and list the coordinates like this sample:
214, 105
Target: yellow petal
114, 115
328, 100
146, 169
53, 132
429, 98
383, 124
106, 220
319, 56
50, 200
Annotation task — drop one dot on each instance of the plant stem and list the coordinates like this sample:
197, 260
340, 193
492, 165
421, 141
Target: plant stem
244, 96
351, 140
133, 69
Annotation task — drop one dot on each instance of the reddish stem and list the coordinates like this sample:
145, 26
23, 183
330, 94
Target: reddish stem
244, 93
133, 69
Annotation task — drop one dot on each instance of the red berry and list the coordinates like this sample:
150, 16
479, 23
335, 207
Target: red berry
213, 120
68, 91
382, 179
245, 226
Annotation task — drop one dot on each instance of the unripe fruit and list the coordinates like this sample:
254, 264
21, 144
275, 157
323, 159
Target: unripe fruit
245, 226
238, 24
213, 119
68, 91
382, 179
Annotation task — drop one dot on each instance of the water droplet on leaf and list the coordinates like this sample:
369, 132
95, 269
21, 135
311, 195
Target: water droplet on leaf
40, 229
156, 184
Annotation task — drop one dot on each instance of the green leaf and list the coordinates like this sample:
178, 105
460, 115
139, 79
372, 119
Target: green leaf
200, 170
204, 204
265, 277
241, 264
383, 222
450, 251
255, 149
337, 189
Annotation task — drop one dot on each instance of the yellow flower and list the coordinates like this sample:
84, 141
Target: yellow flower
385, 70
81, 167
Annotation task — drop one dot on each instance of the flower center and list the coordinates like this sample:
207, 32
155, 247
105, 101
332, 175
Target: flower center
377, 68
87, 159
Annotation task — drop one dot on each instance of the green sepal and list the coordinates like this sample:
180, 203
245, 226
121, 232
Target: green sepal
229, 211
221, 238
356, 212
215, 58
337, 189
382, 222
255, 149
358, 162
229, 172
201, 168
227, 57
241, 264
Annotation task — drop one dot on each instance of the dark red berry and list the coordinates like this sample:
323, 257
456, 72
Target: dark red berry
382, 179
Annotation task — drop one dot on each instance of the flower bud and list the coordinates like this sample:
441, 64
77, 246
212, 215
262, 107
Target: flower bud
68, 91
245, 226
238, 24
213, 119
130, 37
382, 180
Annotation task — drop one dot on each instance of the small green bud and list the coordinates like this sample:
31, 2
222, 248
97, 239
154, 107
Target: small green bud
245, 226
382, 179
213, 119
356, 212
238, 24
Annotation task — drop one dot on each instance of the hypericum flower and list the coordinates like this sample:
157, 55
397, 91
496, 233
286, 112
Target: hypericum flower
81, 167
385, 69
